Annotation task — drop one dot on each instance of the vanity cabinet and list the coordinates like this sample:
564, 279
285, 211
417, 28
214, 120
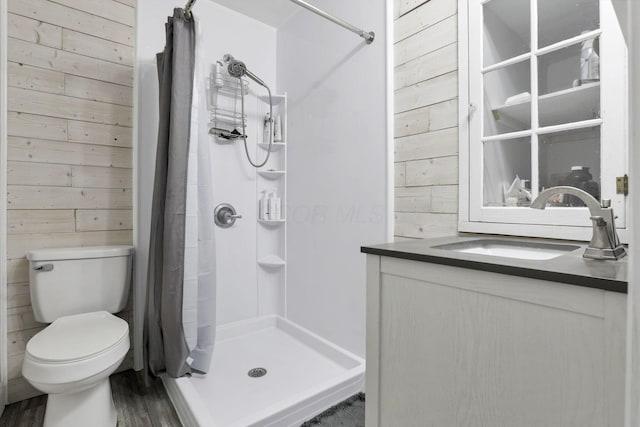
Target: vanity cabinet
449, 346
543, 88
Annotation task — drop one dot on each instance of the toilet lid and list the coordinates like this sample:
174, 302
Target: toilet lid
77, 337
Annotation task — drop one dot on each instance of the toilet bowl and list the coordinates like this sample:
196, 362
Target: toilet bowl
71, 361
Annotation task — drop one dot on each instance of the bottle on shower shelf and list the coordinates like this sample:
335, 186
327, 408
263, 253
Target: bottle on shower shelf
275, 206
263, 206
266, 129
218, 80
277, 131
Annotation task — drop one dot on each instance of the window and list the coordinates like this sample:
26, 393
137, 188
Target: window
543, 98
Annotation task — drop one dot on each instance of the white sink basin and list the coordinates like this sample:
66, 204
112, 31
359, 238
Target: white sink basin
510, 249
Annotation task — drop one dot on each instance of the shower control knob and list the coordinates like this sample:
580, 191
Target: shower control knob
225, 215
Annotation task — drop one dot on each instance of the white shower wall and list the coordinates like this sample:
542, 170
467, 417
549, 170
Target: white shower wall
224, 31
336, 146
337, 164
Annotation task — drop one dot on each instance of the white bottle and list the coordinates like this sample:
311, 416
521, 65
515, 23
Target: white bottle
277, 132
263, 206
275, 206
266, 129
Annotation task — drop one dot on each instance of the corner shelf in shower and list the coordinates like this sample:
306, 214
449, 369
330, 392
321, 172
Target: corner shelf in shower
272, 222
271, 261
276, 99
271, 235
272, 175
274, 147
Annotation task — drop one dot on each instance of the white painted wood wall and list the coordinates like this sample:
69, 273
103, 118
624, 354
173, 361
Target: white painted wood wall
426, 118
70, 141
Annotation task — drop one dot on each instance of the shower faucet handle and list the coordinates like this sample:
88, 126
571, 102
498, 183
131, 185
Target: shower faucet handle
225, 215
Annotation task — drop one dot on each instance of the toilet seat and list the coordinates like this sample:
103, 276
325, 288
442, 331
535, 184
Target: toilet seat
74, 348
77, 337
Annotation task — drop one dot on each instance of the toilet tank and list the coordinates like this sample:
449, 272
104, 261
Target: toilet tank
68, 281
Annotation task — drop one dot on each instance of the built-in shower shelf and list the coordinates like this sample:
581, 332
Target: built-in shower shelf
275, 99
272, 222
272, 261
271, 174
274, 147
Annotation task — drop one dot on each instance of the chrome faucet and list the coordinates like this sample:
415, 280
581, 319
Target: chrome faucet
605, 243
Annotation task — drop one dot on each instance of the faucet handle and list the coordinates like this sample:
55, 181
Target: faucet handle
605, 203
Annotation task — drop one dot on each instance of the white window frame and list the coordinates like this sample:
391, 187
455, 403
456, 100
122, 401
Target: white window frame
559, 223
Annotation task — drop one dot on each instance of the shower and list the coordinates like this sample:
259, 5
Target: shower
289, 322
238, 70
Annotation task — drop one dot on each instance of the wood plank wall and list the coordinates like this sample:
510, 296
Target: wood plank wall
70, 100
426, 118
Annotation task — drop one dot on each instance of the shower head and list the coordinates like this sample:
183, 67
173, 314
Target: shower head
238, 69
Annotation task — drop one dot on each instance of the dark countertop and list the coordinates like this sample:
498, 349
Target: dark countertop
570, 268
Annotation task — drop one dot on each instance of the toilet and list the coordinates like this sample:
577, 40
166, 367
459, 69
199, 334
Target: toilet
76, 290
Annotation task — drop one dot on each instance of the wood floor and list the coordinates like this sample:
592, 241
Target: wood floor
141, 406
137, 405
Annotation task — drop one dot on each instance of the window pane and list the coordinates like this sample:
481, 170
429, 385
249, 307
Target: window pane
569, 88
571, 158
562, 19
566, 68
507, 30
505, 162
507, 99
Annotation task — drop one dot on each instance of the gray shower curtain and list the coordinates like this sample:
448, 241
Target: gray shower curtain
166, 349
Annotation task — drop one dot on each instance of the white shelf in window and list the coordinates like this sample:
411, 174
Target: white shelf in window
272, 175
272, 222
569, 105
276, 146
573, 104
272, 261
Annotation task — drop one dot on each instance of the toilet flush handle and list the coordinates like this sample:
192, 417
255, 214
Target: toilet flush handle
44, 267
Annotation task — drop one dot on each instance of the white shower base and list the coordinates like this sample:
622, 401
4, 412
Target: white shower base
305, 375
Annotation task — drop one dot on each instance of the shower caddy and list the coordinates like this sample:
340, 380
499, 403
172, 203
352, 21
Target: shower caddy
224, 96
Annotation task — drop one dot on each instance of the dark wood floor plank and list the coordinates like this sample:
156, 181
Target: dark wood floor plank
26, 413
132, 412
162, 415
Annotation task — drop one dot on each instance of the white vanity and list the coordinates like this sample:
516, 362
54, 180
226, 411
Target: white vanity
473, 331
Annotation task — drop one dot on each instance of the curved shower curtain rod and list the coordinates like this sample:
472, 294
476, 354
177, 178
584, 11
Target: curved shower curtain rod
368, 36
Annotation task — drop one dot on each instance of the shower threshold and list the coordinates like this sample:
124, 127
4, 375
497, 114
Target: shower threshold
267, 371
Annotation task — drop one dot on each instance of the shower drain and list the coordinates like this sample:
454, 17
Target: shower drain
257, 372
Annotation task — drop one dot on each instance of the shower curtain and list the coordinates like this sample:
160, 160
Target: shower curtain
176, 293
199, 272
